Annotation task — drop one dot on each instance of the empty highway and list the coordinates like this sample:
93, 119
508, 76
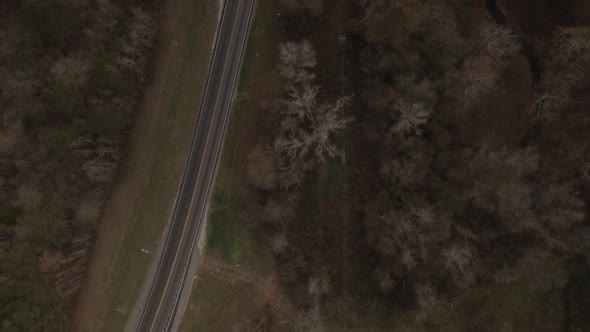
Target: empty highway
190, 209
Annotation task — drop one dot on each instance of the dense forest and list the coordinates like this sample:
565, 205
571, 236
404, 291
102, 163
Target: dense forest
458, 130
71, 73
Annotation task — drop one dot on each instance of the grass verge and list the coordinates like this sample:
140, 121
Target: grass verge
153, 210
230, 237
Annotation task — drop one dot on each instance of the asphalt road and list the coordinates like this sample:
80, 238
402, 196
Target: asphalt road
191, 204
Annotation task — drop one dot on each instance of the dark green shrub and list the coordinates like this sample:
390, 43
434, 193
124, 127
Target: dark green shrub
51, 233
106, 120
119, 82
28, 121
58, 142
452, 200
8, 213
56, 24
27, 305
65, 103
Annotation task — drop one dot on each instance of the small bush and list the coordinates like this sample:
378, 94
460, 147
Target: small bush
55, 24
110, 80
65, 103
51, 233
8, 213
28, 121
452, 200
107, 121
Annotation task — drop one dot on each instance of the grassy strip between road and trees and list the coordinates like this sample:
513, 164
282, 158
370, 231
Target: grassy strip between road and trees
153, 210
231, 239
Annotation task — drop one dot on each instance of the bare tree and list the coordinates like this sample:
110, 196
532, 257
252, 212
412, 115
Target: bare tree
578, 154
302, 101
498, 42
513, 203
571, 44
88, 148
461, 262
101, 158
50, 260
250, 327
440, 20
99, 171
315, 7
142, 30
278, 243
409, 239
142, 33
311, 320
276, 211
479, 72
499, 182
89, 209
570, 55
19, 87
71, 71
411, 165
326, 124
385, 280
307, 125
106, 17
297, 60
410, 118
290, 175
431, 304
408, 261
477, 76
29, 197
72, 267
553, 98
496, 181
537, 266
562, 211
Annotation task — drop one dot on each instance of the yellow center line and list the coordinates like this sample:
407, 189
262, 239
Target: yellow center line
196, 181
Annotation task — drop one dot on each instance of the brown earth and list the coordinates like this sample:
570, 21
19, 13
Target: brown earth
268, 285
233, 295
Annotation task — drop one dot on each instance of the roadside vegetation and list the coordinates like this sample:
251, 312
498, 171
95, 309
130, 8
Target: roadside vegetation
426, 175
140, 205
72, 74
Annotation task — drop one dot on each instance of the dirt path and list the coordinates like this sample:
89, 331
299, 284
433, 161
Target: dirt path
89, 307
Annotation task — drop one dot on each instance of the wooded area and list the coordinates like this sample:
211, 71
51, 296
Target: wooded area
462, 145
423, 155
72, 73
